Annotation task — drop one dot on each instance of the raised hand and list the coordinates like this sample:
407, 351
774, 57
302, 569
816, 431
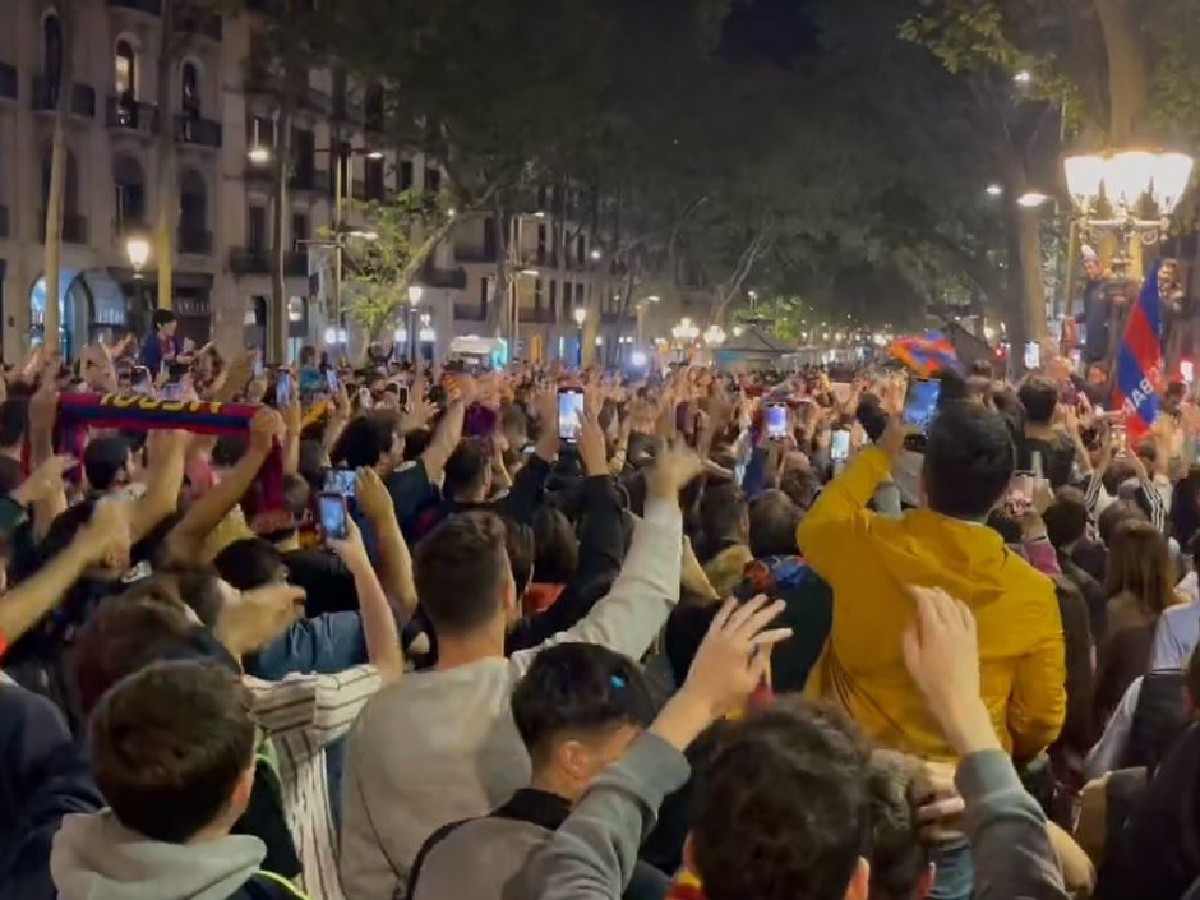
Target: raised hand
674, 467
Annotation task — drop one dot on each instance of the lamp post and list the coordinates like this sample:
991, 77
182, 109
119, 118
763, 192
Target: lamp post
416, 293
580, 317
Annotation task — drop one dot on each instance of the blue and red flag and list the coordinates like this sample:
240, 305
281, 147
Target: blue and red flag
1139, 360
926, 354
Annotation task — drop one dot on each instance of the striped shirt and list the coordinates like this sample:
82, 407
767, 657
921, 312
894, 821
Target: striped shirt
302, 715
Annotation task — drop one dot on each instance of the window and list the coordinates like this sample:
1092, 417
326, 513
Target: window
256, 238
433, 180
189, 89
579, 294
52, 51
483, 296
580, 250
489, 238
299, 230
262, 131
537, 294
553, 298
373, 173
304, 156
566, 301
543, 197
130, 199
373, 107
125, 71
541, 245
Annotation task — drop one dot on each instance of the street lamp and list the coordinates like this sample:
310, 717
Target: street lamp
137, 248
1032, 199
416, 293
994, 189
580, 315
714, 335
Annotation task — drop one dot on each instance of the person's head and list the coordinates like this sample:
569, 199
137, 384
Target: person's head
577, 710
172, 751
106, 463
1097, 374
724, 515
520, 545
1173, 397
802, 487
781, 808
368, 440
1139, 564
773, 522
464, 579
308, 355
969, 460
1093, 270
165, 323
1114, 516
468, 472
1039, 396
557, 550
1066, 518
250, 563
14, 416
900, 868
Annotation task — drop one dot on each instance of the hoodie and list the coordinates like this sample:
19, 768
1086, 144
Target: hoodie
868, 560
96, 858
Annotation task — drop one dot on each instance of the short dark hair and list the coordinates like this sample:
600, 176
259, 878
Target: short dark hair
14, 418
467, 467
781, 808
163, 317
1039, 396
250, 563
898, 858
557, 550
168, 745
1066, 518
577, 687
461, 569
802, 486
364, 441
519, 542
773, 522
722, 508
103, 458
1114, 516
969, 460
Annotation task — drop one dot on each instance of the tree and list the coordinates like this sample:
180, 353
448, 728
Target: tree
407, 228
63, 83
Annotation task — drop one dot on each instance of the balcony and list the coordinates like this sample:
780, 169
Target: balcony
264, 173
135, 116
475, 254
469, 312
312, 180
151, 7
8, 81
199, 22
540, 258
258, 262
194, 241
539, 315
74, 230
455, 279
129, 225
3, 221
197, 131
45, 97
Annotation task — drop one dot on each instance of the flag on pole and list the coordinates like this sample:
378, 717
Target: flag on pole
926, 354
1139, 360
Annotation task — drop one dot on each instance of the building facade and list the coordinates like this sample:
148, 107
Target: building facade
216, 105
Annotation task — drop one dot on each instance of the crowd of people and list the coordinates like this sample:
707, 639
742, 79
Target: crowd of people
729, 635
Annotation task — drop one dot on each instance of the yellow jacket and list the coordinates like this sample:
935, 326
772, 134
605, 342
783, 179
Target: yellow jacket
867, 559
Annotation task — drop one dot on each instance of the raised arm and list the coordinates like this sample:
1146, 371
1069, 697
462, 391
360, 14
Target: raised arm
378, 622
395, 561
445, 438
167, 451
211, 507
293, 422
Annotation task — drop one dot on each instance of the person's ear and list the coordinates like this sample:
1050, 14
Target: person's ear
859, 887
240, 798
574, 759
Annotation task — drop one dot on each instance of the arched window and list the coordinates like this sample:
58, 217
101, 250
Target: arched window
193, 214
373, 107
52, 54
130, 184
125, 71
189, 87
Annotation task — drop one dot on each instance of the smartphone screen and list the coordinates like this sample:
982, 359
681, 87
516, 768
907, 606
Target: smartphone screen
1033, 355
172, 390
777, 421
839, 447
283, 390
341, 481
570, 409
332, 514
922, 403
1187, 371
331, 379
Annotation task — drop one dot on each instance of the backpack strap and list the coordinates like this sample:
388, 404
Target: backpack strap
264, 885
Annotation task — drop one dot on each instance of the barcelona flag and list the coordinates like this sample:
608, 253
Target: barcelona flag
926, 354
1140, 360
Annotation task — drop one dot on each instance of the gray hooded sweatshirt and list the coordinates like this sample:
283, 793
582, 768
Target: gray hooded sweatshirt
94, 857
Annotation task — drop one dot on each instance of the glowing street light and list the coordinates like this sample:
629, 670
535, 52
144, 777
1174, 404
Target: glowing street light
1032, 199
374, 154
596, 254
1023, 77
137, 248
580, 315
994, 190
714, 335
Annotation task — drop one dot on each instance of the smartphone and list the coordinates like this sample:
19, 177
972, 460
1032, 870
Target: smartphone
1033, 355
1187, 371
172, 390
341, 481
922, 403
333, 515
839, 447
777, 421
331, 378
258, 365
283, 390
570, 409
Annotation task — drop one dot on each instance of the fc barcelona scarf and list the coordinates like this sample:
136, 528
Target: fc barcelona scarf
79, 412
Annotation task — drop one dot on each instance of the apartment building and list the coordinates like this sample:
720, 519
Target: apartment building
216, 106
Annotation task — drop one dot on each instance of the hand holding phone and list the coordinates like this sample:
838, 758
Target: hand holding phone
839, 445
776, 420
333, 516
283, 390
921, 407
570, 412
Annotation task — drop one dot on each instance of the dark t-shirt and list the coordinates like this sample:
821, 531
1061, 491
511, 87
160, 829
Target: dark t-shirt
328, 584
1057, 456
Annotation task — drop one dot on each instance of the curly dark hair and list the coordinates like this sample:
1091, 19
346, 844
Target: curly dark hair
782, 807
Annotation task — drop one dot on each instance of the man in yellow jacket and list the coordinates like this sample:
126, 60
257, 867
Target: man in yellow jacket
870, 560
